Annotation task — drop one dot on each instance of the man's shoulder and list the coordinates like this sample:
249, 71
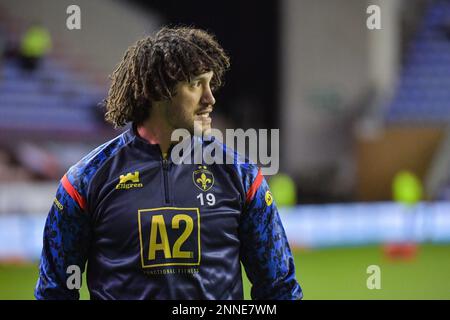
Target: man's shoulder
247, 172
246, 169
81, 173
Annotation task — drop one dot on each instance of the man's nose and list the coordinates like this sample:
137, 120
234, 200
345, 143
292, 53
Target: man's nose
208, 97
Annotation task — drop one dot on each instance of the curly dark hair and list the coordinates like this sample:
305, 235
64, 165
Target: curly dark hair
152, 66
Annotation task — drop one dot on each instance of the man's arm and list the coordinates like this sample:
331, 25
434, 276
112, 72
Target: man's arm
66, 240
265, 252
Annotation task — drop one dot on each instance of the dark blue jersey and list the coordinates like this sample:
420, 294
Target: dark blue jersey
151, 229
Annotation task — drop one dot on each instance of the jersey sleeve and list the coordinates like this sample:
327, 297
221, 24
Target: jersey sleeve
66, 239
265, 251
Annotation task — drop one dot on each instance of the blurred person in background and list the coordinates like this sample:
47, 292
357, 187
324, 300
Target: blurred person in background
284, 190
153, 229
11, 170
35, 44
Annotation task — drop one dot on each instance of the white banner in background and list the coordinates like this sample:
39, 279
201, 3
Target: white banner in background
310, 226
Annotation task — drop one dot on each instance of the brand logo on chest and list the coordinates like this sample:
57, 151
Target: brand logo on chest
129, 180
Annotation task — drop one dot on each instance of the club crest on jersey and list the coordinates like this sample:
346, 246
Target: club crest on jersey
129, 180
203, 178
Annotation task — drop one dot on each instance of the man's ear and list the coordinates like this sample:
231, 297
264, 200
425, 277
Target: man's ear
175, 88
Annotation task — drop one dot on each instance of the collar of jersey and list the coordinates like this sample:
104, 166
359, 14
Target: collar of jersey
154, 149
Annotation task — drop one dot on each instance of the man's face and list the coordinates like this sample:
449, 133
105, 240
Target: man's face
193, 102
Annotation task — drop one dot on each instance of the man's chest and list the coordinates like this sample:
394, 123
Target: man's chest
170, 214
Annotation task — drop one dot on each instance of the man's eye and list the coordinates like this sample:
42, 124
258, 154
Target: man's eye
195, 84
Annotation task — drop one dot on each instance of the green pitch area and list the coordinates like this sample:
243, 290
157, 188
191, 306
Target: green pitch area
338, 273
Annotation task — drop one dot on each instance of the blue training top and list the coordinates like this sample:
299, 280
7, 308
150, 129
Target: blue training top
152, 229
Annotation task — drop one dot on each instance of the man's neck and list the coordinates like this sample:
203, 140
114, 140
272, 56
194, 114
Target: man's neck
156, 132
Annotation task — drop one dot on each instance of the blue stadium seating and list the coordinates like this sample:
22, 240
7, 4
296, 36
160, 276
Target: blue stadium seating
50, 99
423, 92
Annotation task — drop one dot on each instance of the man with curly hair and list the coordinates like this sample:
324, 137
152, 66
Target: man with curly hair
150, 228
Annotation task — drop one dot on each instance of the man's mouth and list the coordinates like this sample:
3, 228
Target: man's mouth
205, 111
204, 114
